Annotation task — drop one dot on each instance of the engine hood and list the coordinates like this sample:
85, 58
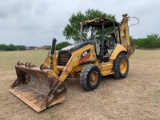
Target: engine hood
77, 46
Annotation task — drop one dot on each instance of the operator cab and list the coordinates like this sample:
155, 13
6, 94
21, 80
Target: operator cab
101, 32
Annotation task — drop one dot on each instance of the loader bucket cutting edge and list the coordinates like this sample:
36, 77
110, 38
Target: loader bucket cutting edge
35, 88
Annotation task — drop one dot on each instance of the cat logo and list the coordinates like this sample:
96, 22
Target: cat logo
84, 56
85, 53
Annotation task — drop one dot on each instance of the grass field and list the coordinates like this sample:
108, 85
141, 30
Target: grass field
137, 97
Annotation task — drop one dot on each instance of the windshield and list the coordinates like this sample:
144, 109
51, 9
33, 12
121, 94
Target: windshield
92, 33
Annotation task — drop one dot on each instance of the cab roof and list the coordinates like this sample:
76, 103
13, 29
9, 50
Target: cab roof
98, 22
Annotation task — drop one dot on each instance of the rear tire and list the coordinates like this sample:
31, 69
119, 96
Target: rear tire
90, 77
120, 66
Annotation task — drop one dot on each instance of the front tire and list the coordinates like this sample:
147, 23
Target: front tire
90, 77
120, 66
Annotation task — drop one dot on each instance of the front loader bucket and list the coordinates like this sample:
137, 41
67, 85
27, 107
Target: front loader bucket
37, 88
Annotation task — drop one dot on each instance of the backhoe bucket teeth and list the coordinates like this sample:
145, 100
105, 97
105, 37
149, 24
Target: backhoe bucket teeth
36, 87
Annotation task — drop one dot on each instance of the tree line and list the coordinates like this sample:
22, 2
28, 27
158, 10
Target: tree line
11, 47
152, 41
60, 45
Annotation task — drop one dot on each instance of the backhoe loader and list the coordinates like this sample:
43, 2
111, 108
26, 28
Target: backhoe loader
106, 52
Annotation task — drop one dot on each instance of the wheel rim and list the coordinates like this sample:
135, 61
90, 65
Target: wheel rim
123, 66
93, 79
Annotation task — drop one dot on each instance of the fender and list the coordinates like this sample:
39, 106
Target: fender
118, 49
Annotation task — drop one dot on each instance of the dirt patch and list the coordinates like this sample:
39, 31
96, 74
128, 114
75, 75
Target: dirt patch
135, 97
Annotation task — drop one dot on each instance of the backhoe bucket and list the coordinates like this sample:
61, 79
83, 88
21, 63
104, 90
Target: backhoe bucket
37, 88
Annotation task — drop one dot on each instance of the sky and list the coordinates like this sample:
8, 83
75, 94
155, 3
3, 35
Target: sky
36, 22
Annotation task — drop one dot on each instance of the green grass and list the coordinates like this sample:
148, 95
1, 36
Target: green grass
8, 59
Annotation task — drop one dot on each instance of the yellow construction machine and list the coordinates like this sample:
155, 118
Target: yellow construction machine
106, 53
